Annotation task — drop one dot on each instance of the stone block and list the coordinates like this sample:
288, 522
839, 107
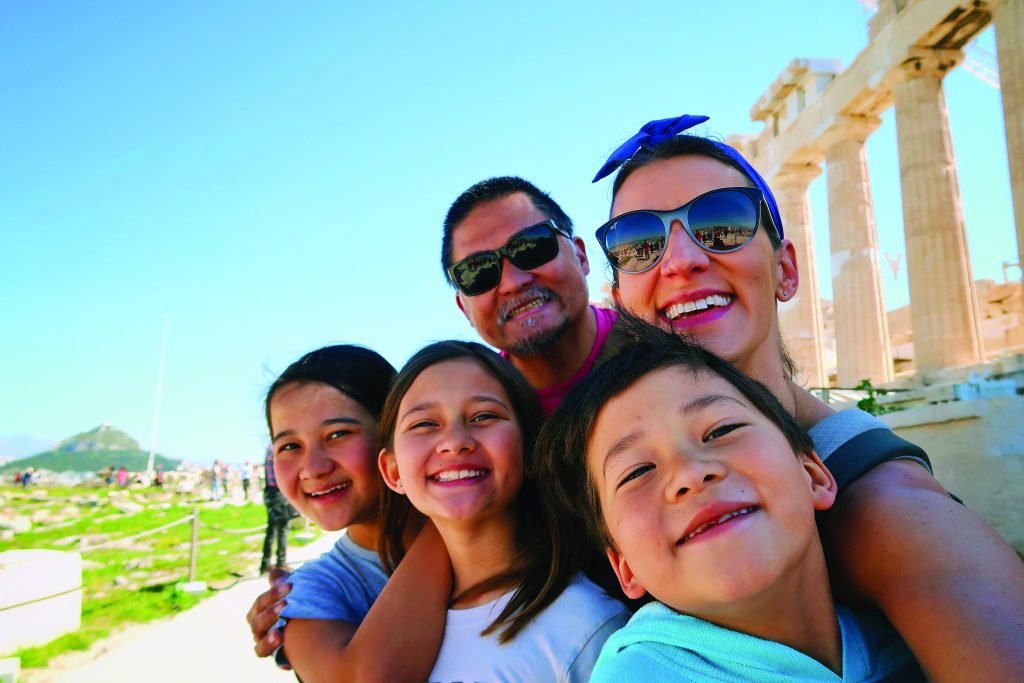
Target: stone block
9, 669
40, 596
977, 452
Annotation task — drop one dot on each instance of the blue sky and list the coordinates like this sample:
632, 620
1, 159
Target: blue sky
272, 177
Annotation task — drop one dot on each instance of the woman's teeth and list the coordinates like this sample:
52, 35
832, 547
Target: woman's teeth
676, 310
455, 475
317, 494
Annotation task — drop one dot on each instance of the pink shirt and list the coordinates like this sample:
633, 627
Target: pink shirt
551, 396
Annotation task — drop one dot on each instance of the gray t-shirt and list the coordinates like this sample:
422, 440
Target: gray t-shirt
341, 584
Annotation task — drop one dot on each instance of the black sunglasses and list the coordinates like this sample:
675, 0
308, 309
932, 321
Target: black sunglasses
718, 221
529, 248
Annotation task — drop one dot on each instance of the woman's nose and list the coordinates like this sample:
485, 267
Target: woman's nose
682, 256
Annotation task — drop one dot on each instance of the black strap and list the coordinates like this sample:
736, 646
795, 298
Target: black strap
868, 450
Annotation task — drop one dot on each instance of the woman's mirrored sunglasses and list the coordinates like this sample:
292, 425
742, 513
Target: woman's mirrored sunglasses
529, 248
718, 221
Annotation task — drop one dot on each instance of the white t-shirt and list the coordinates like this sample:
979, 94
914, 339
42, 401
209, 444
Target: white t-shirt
560, 644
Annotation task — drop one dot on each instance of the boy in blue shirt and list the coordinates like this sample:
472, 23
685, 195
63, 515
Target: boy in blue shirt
703, 491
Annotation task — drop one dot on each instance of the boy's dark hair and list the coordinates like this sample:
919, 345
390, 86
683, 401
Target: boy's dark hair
536, 574
491, 190
562, 445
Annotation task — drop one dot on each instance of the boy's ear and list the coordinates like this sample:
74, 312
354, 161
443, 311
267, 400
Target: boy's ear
389, 471
823, 484
627, 579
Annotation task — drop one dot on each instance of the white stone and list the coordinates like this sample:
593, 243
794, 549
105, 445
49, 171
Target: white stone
40, 596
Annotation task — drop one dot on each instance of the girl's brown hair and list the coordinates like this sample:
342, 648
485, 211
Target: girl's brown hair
539, 572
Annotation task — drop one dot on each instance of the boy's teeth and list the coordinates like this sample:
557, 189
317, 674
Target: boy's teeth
676, 310
715, 522
316, 494
455, 475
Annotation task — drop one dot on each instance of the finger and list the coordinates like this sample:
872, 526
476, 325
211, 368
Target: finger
259, 605
263, 623
278, 575
267, 599
266, 646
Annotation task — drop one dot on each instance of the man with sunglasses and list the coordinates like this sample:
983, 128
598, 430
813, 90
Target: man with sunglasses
509, 250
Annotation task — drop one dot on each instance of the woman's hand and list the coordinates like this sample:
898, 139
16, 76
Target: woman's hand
265, 612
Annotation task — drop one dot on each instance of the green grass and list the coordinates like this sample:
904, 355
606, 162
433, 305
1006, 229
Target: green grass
152, 569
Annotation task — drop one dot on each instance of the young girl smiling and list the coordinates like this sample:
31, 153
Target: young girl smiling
341, 609
459, 426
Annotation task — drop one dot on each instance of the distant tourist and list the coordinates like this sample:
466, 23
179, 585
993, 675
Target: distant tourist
216, 476
122, 477
279, 511
246, 475
158, 478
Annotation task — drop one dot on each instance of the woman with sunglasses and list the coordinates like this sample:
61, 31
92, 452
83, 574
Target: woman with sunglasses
696, 242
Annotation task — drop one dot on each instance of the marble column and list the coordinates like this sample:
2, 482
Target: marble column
944, 304
802, 328
862, 329
1008, 17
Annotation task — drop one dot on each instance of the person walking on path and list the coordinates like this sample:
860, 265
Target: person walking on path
246, 476
216, 473
279, 511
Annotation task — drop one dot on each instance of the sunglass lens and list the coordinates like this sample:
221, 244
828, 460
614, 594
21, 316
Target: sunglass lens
635, 241
477, 274
533, 248
723, 221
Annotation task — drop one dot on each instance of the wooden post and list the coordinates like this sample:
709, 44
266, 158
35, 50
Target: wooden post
194, 550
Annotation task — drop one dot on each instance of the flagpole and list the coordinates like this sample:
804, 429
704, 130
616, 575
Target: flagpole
156, 404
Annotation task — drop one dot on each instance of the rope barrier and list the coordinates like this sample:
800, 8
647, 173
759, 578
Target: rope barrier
233, 530
43, 598
150, 532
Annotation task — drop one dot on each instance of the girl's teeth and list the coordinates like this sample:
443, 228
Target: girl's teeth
455, 475
317, 494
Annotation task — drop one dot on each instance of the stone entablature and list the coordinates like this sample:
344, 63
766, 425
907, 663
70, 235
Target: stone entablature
816, 113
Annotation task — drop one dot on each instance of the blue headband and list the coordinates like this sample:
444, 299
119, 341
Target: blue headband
654, 133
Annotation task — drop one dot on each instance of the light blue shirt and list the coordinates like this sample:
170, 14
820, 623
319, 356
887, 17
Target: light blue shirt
659, 644
341, 584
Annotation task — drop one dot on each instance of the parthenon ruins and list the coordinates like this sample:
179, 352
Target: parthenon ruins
816, 113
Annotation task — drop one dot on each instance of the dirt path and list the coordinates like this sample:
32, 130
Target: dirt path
209, 642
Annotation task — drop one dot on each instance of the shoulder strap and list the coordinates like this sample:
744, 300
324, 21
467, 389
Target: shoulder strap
867, 450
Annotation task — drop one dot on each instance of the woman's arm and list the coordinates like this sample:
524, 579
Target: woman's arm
400, 636
945, 579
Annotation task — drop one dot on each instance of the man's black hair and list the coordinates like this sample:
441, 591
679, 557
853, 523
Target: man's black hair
488, 191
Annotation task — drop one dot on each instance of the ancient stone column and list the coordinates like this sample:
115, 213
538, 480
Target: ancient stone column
944, 305
862, 329
1008, 17
802, 328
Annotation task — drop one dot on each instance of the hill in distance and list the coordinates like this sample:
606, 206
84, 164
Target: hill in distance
104, 446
